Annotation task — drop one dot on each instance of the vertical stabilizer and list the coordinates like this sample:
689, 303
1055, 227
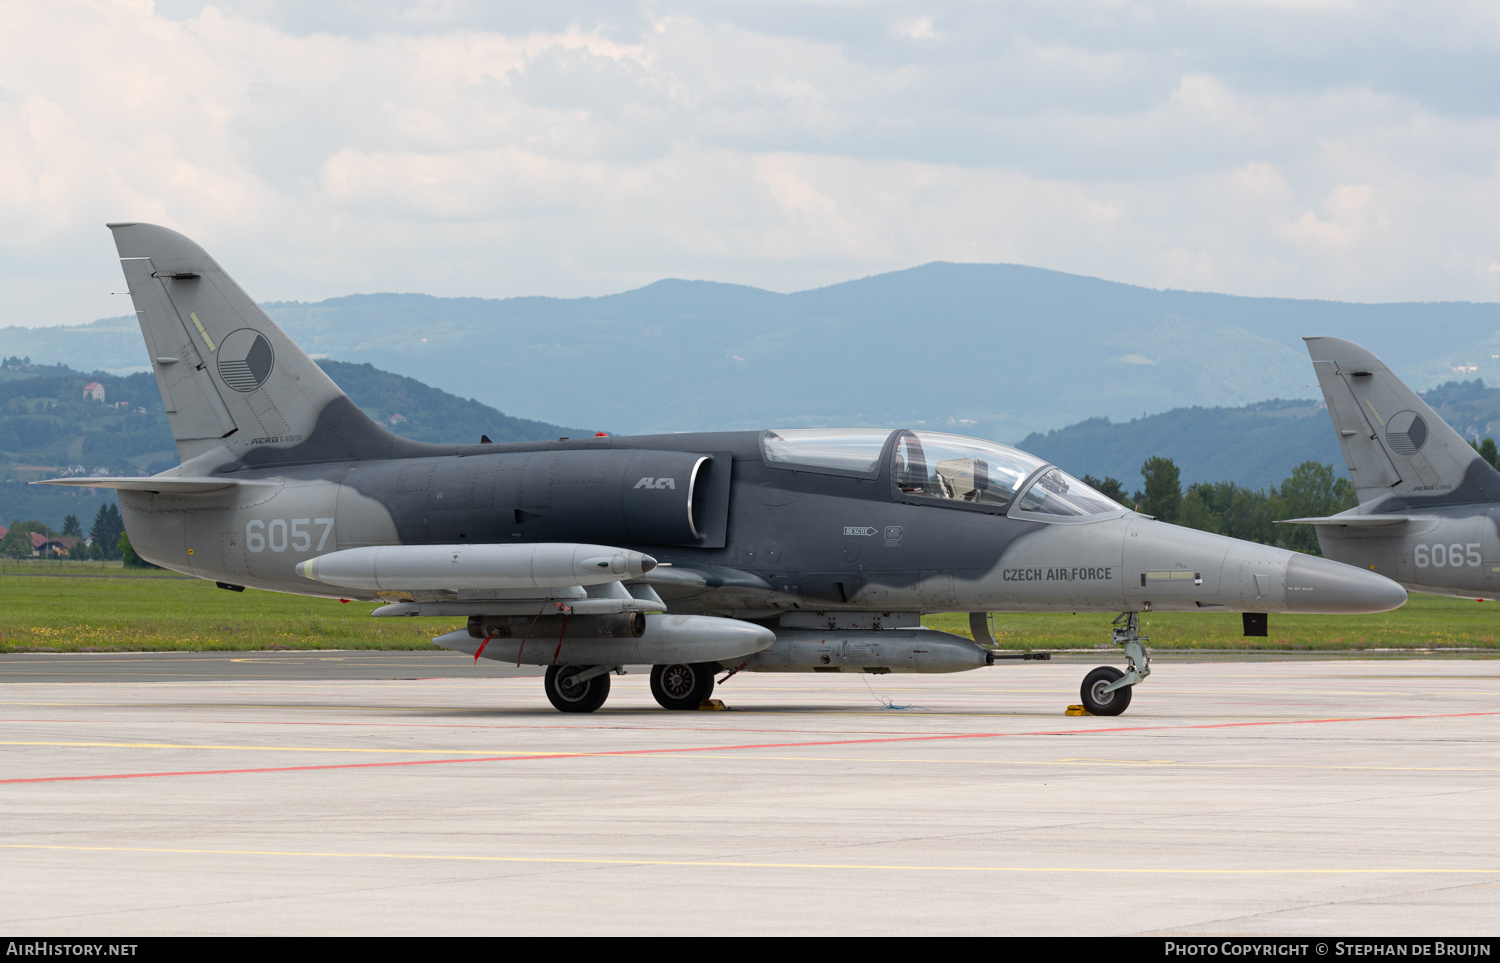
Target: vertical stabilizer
229, 376
1393, 443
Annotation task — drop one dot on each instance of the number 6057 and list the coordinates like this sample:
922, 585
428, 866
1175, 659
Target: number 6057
279, 534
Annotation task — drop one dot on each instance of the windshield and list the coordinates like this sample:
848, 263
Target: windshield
848, 449
1058, 493
933, 465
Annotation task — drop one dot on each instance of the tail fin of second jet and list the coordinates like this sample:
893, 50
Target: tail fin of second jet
229, 376
1393, 443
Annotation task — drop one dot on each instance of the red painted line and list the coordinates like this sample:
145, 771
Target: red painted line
679, 750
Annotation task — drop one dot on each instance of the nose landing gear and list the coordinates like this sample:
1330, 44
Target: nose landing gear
1106, 690
1098, 698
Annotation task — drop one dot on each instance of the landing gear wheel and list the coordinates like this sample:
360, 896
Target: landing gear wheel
1098, 702
682, 685
569, 696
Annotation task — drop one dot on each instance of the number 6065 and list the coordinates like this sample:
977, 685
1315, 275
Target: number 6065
1447, 556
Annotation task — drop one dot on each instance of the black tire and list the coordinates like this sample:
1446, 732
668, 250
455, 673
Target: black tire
575, 698
1105, 703
683, 685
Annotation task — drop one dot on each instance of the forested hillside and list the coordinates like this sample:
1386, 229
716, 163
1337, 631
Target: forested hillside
48, 428
410, 408
47, 424
1254, 446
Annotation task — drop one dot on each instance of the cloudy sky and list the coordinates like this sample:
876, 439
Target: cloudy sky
1307, 149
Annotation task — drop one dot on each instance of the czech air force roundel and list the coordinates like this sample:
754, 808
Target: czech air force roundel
245, 359
1406, 432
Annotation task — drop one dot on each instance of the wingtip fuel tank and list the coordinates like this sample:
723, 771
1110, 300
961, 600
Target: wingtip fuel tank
549, 565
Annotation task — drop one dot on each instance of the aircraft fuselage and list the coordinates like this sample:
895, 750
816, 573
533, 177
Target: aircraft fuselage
764, 539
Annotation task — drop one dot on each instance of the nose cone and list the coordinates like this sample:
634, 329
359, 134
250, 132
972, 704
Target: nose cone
1332, 588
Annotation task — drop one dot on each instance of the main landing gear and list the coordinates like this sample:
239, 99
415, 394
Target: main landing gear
583, 688
683, 685
578, 688
1106, 690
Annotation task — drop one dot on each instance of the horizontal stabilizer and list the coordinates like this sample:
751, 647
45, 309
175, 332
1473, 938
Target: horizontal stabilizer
158, 485
1353, 521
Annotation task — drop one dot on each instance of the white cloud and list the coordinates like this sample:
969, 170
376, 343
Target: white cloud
1291, 149
917, 29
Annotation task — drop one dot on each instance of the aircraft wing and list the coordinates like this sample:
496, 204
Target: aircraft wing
703, 576
525, 607
1353, 521
157, 485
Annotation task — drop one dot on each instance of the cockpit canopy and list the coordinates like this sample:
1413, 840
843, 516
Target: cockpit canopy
943, 467
934, 465
1058, 493
847, 449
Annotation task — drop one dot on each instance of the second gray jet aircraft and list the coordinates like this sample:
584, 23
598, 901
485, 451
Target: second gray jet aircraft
1429, 504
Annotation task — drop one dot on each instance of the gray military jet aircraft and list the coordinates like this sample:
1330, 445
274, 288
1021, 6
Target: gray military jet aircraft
1429, 504
803, 550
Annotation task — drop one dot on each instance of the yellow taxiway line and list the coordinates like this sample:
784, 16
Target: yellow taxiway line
751, 864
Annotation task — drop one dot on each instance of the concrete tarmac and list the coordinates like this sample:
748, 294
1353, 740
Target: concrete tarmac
294, 666
1303, 797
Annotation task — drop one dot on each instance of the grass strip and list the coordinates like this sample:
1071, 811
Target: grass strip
1425, 622
106, 608
114, 612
